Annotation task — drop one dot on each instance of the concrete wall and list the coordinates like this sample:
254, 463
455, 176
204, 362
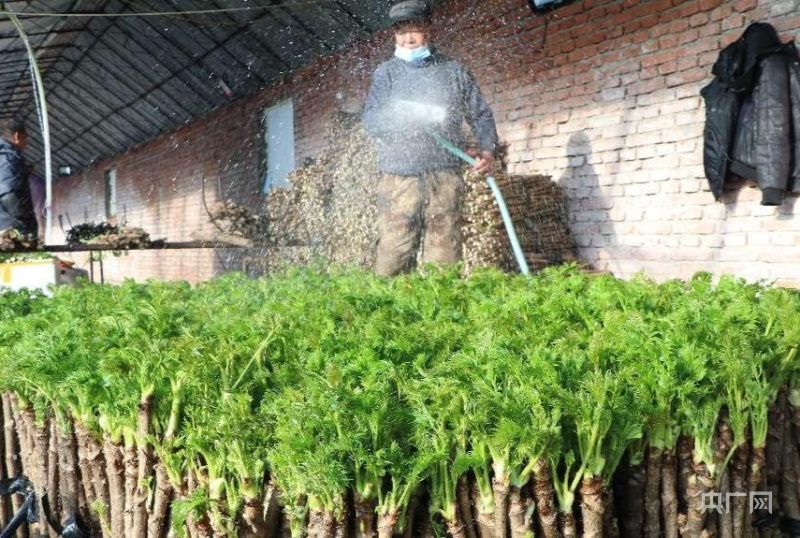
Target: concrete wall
602, 95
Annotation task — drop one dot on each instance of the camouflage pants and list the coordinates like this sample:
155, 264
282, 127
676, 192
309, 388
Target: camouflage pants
419, 220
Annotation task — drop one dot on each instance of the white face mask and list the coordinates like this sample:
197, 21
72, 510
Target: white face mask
411, 55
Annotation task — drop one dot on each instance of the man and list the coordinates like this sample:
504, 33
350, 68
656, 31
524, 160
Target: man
16, 208
415, 97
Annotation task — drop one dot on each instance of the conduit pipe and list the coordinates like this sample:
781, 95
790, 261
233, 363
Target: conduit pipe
41, 105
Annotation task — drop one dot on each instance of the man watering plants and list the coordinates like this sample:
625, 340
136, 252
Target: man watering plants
417, 99
16, 207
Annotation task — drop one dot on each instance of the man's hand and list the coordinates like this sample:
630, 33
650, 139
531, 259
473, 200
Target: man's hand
484, 164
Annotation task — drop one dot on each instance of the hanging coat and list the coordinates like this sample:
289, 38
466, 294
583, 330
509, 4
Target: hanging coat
752, 114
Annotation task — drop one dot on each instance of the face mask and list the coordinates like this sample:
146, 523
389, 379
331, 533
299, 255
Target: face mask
412, 55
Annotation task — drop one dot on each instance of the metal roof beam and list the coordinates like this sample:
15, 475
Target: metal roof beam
213, 39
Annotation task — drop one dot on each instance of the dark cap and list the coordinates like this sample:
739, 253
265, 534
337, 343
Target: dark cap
410, 10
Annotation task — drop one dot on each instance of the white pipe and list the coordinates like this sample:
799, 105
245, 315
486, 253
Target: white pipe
38, 87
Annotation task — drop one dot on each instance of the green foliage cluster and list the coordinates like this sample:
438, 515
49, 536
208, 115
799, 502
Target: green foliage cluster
328, 380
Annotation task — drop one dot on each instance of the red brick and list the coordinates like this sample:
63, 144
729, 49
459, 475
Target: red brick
687, 77
698, 19
678, 26
668, 41
709, 5
687, 9
733, 22
649, 21
745, 5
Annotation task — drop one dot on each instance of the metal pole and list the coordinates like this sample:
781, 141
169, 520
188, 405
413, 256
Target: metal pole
43, 120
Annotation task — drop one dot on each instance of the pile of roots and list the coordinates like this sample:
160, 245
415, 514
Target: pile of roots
538, 211
11, 239
235, 220
109, 235
330, 212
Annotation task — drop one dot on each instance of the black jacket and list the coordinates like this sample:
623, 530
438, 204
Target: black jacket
16, 207
753, 115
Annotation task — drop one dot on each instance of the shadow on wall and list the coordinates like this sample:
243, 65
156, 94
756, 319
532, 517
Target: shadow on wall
589, 211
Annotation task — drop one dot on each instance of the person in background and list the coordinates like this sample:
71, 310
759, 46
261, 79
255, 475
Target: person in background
414, 97
16, 207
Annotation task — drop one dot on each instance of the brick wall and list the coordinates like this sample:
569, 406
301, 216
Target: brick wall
602, 95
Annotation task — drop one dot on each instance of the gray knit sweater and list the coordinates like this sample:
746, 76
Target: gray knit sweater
405, 143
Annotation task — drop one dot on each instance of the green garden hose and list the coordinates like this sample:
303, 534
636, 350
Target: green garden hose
498, 196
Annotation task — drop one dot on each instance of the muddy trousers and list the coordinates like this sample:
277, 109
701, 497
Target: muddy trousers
419, 220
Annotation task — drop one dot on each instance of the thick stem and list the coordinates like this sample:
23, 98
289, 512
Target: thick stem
72, 496
272, 510
652, 494
342, 529
96, 467
286, 525
485, 520
685, 470
342, 517
669, 498
774, 450
465, 505
365, 517
386, 524
632, 507
567, 525
723, 444
789, 477
87, 496
129, 461
592, 506
53, 485
755, 478
411, 515
254, 524
426, 530
115, 470
610, 524
40, 469
328, 524
723, 521
24, 439
199, 527
33, 445
13, 462
97, 464
145, 470
517, 514
456, 527
500, 487
316, 523
738, 477
157, 525
544, 494
699, 484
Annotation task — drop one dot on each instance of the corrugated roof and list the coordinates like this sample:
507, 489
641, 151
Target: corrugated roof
120, 72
